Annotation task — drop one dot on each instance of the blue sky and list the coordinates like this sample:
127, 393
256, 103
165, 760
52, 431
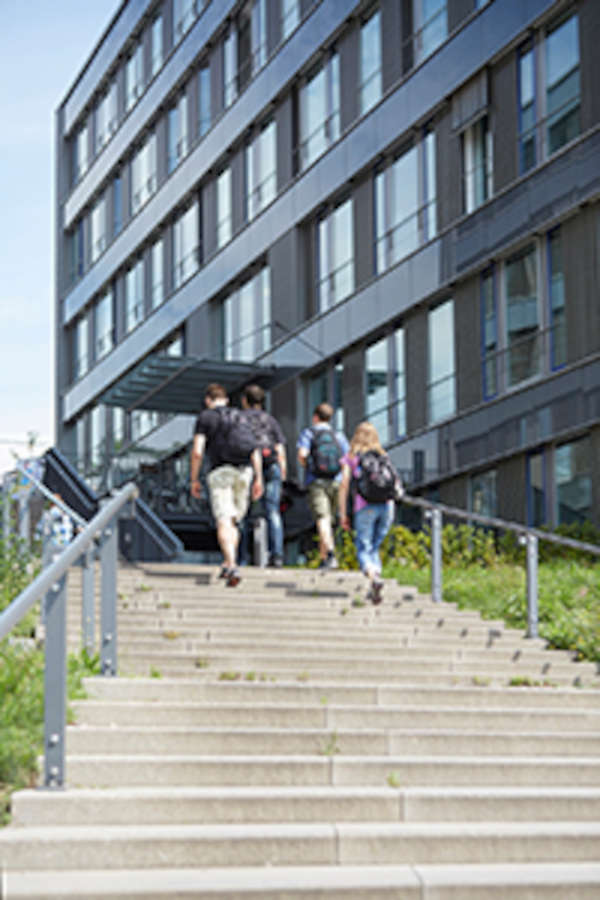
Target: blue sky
43, 46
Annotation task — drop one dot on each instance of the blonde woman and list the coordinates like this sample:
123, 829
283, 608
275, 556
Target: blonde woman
373, 509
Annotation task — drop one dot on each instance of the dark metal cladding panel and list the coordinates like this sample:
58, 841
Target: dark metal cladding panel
353, 388
273, 8
468, 344
216, 80
504, 120
238, 190
364, 230
391, 40
209, 218
448, 166
458, 10
284, 127
416, 370
287, 274
349, 51
578, 251
589, 42
283, 408
119, 307
510, 489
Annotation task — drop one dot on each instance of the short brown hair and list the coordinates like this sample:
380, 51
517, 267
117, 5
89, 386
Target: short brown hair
254, 394
324, 412
215, 391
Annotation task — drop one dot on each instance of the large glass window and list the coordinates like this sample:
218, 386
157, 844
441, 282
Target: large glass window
117, 189
104, 324
81, 352
177, 133
157, 263
204, 101
230, 67
183, 17
247, 319
482, 493
527, 110
476, 143
562, 84
134, 295
143, 174
97, 437
134, 76
441, 380
522, 338
185, 246
320, 111
399, 376
98, 223
224, 208
335, 256
378, 398
431, 26
489, 334
80, 153
157, 45
76, 261
558, 320
106, 116
261, 170
573, 481
80, 444
370, 62
290, 17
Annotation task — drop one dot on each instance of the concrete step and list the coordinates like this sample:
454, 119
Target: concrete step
326, 715
509, 881
142, 769
379, 843
192, 805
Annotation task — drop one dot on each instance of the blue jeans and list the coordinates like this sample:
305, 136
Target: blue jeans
372, 523
271, 500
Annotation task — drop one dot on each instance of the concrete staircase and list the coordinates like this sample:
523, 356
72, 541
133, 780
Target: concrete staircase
286, 740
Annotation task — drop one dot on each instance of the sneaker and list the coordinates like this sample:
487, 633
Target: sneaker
276, 562
331, 562
224, 572
376, 593
233, 578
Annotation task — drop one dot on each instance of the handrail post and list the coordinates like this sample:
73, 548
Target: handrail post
55, 684
532, 585
436, 555
88, 611
108, 599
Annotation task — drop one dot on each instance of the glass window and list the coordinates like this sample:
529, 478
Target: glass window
558, 320
261, 170
482, 493
143, 174
441, 384
80, 444
320, 111
185, 246
183, 17
81, 356
562, 84
429, 186
370, 62
158, 285
397, 210
527, 111
76, 253
106, 116
247, 319
224, 210
97, 436
177, 133
204, 101
142, 422
134, 296
104, 324
522, 336
378, 399
259, 34
134, 76
573, 479
477, 164
335, 256
431, 26
338, 396
399, 383
157, 45
290, 17
536, 490
80, 154
230, 77
98, 228
118, 427
489, 335
117, 188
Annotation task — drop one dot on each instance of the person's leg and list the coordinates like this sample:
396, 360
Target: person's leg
227, 536
321, 511
363, 524
272, 499
221, 485
381, 526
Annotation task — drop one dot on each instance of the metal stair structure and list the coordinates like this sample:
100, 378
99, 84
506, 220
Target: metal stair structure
285, 740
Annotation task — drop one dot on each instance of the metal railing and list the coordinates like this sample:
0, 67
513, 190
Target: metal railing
50, 588
528, 536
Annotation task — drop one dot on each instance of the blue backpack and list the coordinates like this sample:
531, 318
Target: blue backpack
325, 453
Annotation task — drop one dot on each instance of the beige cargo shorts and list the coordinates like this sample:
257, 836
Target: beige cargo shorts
229, 491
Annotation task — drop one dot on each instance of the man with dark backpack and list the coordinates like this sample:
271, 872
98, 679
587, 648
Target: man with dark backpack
231, 449
271, 444
320, 450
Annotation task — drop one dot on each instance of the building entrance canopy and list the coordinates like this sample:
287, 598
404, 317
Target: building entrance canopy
176, 384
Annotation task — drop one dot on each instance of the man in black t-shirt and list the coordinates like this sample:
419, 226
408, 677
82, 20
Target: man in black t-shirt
271, 444
229, 483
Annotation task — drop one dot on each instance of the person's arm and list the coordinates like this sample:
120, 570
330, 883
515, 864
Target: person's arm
257, 483
196, 457
343, 491
282, 460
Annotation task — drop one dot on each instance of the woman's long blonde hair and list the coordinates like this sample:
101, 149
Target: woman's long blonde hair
365, 438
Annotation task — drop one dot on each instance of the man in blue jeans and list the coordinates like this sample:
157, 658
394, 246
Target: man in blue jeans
271, 443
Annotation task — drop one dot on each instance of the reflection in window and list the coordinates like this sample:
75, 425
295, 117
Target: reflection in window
158, 285
80, 444
106, 116
573, 480
97, 436
290, 17
183, 17
134, 295
143, 174
318, 391
261, 170
431, 26
489, 334
558, 321
118, 427
81, 355
247, 319
320, 111
230, 67
76, 255
142, 422
178, 133
562, 84
224, 208
476, 143
335, 256
370, 62
104, 324
204, 101
441, 382
98, 224
134, 76
185, 246
527, 111
522, 322
536, 490
399, 384
482, 493
117, 189
80, 154
377, 366
157, 45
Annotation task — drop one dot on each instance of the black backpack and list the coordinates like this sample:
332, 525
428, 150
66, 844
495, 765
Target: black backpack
325, 453
260, 425
233, 440
378, 480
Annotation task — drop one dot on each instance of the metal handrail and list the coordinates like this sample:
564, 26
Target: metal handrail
529, 535
50, 587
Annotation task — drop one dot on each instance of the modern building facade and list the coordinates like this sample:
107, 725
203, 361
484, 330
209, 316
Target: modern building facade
394, 206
